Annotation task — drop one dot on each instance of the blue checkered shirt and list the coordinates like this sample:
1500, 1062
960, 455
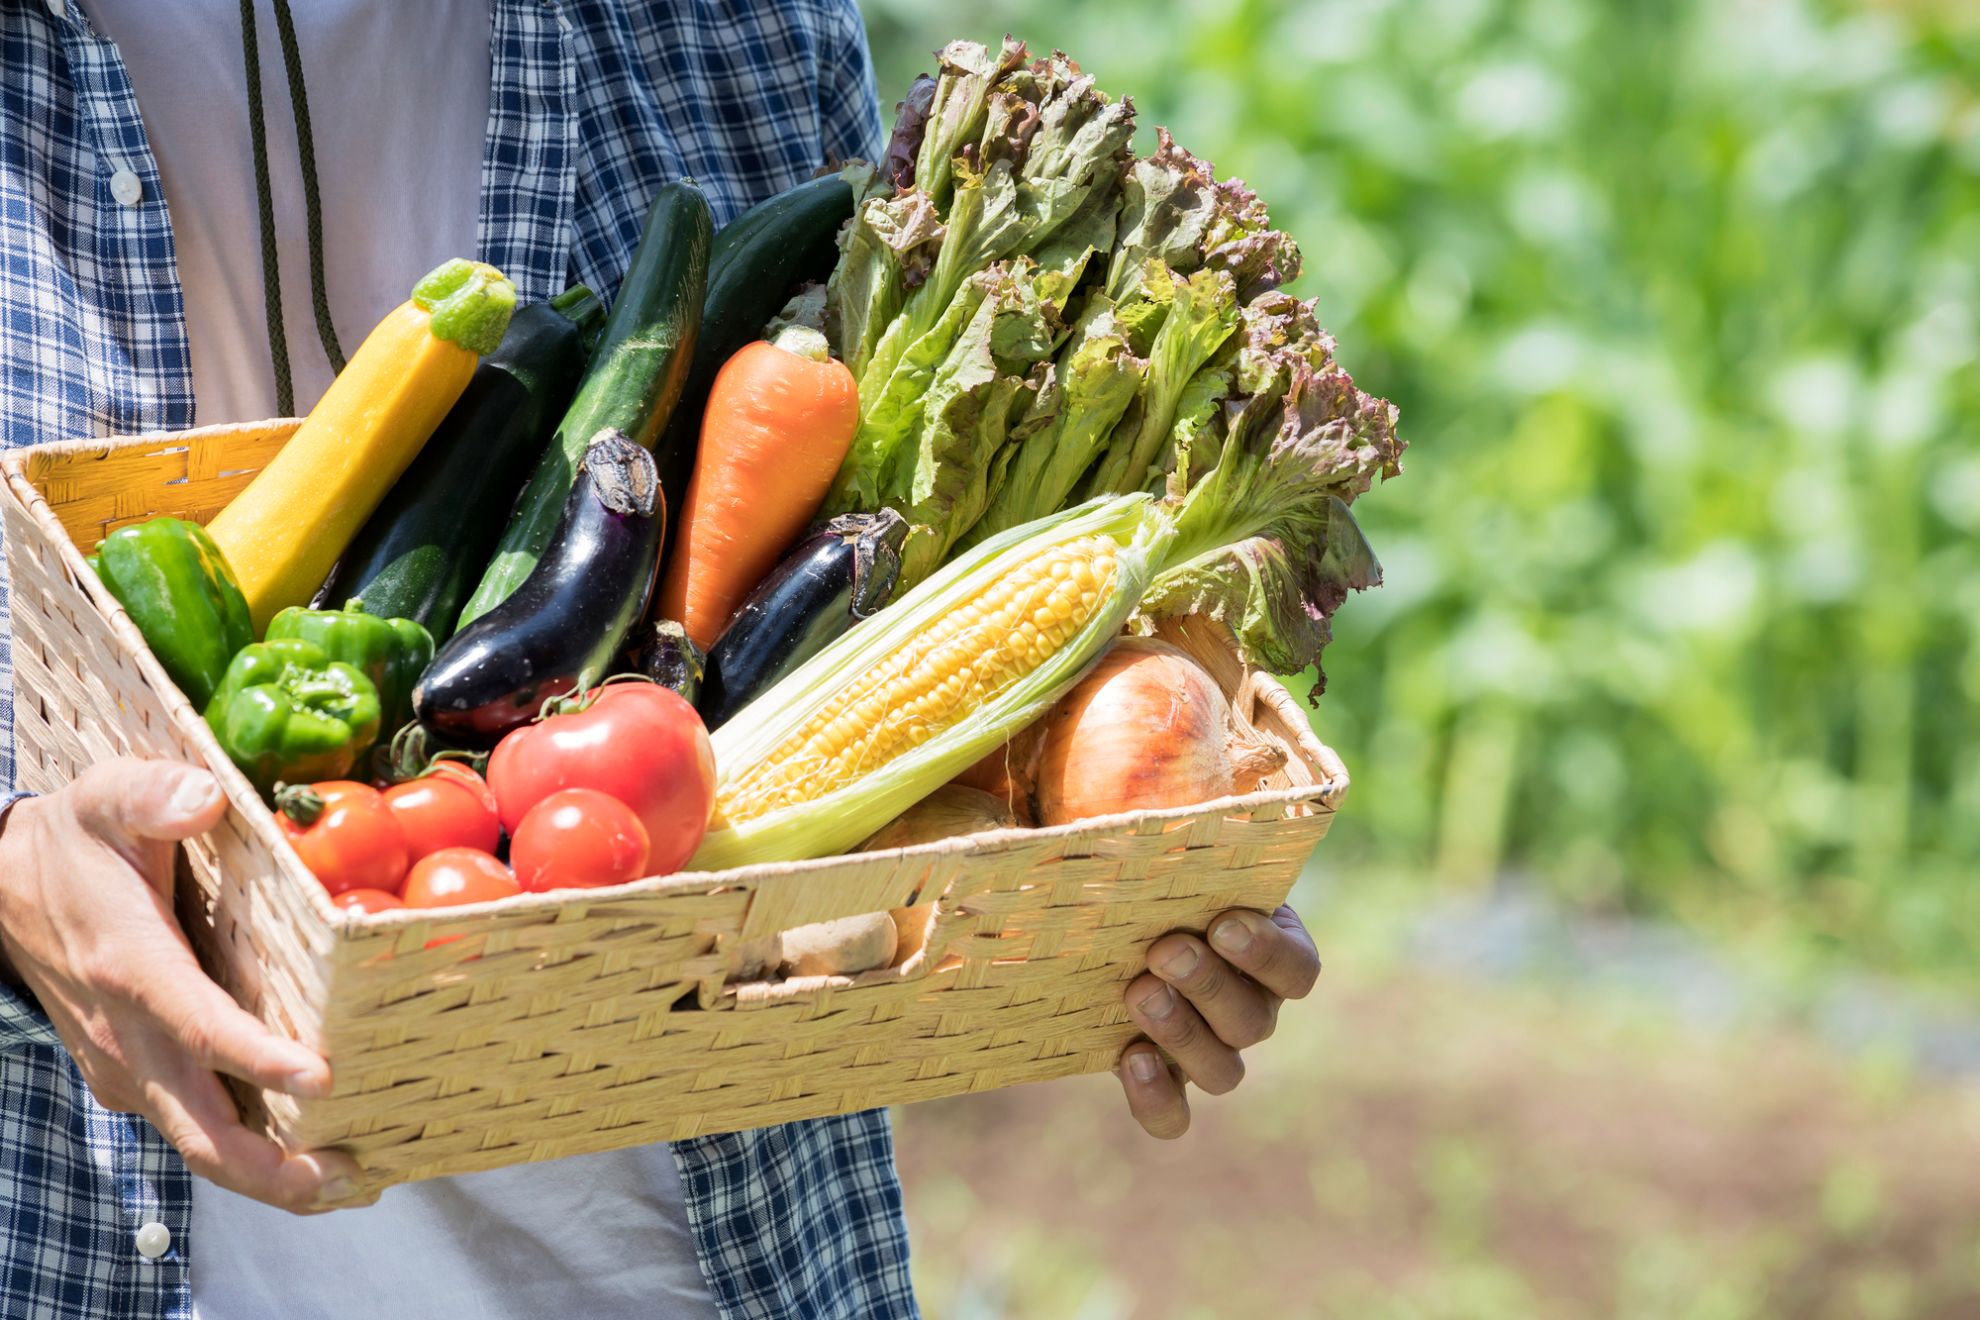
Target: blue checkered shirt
593, 105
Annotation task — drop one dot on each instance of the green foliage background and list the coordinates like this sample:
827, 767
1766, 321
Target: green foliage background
1679, 304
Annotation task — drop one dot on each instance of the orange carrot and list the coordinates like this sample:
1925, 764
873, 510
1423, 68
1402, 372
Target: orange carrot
779, 421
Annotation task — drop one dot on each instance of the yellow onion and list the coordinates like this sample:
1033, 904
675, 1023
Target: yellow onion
950, 810
1007, 774
1148, 729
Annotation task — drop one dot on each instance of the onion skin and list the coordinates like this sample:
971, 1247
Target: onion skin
1147, 730
1008, 773
951, 810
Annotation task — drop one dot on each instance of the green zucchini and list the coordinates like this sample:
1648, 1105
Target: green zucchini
756, 260
424, 547
635, 378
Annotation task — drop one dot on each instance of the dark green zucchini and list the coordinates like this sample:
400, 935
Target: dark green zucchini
423, 549
635, 378
757, 259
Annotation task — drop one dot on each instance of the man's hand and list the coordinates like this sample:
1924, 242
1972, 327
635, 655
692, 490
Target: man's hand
1203, 1002
86, 921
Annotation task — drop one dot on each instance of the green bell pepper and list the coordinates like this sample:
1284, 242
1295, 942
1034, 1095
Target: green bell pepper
393, 653
285, 710
171, 579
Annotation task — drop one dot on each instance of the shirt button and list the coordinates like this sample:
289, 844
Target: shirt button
154, 1240
124, 186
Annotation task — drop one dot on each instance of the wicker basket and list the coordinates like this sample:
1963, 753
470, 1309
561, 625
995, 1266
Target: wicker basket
568, 1023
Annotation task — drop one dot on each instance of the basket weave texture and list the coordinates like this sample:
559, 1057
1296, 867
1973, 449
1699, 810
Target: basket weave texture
562, 1024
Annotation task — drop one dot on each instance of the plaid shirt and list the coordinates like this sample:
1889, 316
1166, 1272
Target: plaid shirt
593, 105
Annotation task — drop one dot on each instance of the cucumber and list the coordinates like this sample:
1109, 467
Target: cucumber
757, 259
635, 378
424, 547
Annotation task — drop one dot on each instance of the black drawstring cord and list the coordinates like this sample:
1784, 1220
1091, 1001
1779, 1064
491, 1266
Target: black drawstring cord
271, 276
285, 25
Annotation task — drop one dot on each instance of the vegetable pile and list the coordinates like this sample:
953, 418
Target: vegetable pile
886, 476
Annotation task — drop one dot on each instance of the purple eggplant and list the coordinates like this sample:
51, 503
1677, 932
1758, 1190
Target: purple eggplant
834, 577
564, 626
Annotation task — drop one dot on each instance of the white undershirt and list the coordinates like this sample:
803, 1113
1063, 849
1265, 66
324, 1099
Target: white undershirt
398, 105
398, 100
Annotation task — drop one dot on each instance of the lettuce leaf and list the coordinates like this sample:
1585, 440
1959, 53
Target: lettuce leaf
1264, 542
1081, 399
910, 129
1202, 313
1195, 411
1174, 211
1014, 158
1253, 365
891, 404
957, 108
886, 251
984, 385
1275, 598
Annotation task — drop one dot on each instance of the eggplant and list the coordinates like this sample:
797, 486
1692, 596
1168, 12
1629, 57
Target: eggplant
661, 650
564, 626
834, 577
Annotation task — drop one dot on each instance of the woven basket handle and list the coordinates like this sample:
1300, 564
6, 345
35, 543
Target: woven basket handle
790, 898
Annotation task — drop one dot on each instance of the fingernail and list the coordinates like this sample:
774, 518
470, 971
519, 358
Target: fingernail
196, 792
307, 1084
336, 1188
1142, 1065
1158, 1005
1231, 935
1182, 962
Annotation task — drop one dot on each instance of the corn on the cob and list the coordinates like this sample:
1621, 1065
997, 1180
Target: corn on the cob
907, 699
961, 664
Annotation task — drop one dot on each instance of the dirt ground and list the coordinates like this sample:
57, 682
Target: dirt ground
1416, 1147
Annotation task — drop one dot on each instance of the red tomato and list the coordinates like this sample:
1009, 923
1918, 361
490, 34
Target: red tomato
450, 807
638, 742
578, 838
454, 876
368, 900
352, 842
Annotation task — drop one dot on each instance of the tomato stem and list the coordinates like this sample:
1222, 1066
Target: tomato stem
413, 755
300, 803
579, 699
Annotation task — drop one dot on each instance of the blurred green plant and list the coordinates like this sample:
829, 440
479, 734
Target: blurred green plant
1679, 303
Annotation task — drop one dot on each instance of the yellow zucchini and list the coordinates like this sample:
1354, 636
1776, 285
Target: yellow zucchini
284, 533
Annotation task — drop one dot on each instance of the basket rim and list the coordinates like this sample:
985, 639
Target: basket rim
15, 461
1324, 796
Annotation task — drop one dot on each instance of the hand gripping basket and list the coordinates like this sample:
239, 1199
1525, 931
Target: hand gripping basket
562, 1024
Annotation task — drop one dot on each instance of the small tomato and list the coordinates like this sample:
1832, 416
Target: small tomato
368, 900
449, 807
578, 838
344, 833
454, 876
